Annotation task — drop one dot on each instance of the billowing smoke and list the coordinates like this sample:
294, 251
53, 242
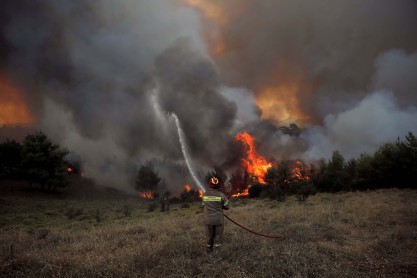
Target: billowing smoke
105, 75
345, 70
102, 78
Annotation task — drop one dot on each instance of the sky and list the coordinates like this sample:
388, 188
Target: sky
103, 78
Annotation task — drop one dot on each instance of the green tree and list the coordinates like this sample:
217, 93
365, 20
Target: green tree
278, 180
255, 190
10, 159
365, 173
332, 175
237, 182
42, 161
147, 178
408, 158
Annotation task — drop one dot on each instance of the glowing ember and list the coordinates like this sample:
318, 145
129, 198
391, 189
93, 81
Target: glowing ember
200, 193
69, 170
253, 163
146, 195
187, 187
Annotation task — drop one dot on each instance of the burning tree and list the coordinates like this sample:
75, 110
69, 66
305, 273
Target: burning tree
147, 181
237, 182
190, 195
253, 163
254, 168
259, 175
289, 178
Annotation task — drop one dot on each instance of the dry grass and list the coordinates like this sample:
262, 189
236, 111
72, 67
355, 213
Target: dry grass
368, 234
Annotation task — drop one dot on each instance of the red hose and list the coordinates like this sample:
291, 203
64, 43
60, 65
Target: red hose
250, 231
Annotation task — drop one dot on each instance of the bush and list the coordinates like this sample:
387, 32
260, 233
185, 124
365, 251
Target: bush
255, 190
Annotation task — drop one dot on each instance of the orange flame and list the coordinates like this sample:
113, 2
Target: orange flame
200, 193
281, 104
13, 109
285, 82
299, 172
254, 164
146, 195
241, 194
187, 187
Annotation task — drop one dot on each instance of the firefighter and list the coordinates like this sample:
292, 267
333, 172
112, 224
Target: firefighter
214, 203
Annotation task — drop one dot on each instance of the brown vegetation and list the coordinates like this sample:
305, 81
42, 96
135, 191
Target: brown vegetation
365, 234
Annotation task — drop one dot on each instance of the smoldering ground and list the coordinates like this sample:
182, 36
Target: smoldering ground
102, 77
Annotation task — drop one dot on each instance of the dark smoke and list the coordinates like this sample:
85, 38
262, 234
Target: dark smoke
105, 76
355, 62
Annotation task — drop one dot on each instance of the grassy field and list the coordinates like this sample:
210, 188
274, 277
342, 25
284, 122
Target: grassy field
362, 234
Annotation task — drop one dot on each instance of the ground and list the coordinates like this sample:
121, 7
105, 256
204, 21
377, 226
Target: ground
355, 234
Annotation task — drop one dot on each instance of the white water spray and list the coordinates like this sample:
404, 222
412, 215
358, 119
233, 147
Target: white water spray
184, 152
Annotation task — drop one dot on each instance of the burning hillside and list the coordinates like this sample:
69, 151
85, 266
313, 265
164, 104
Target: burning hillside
102, 78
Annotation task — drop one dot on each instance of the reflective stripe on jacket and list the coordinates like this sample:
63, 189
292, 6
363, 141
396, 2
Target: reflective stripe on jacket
214, 202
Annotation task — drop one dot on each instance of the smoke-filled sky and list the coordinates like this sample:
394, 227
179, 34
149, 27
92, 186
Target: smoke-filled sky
102, 78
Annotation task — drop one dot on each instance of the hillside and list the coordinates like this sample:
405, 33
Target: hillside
361, 234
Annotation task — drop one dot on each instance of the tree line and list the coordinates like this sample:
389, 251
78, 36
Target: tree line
37, 159
394, 164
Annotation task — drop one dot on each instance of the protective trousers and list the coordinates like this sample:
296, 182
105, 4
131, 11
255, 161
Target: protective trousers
214, 235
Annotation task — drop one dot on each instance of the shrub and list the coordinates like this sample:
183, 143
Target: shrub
255, 190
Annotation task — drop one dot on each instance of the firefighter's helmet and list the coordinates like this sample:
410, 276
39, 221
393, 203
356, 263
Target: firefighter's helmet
214, 182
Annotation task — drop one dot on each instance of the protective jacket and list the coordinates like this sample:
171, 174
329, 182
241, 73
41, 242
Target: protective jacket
214, 203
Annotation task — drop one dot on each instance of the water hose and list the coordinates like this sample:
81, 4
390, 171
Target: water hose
253, 232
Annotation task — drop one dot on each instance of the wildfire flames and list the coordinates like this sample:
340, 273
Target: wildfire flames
257, 166
241, 194
299, 172
13, 109
281, 104
146, 195
187, 188
253, 163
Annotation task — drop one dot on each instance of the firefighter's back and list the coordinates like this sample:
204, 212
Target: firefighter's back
213, 207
